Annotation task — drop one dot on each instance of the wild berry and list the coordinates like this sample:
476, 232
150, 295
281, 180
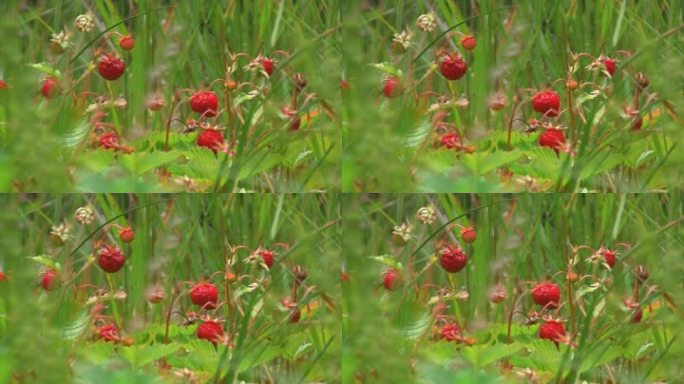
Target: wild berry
468, 42
3, 85
497, 294
344, 276
109, 332
392, 87
155, 294
450, 140
210, 330
496, 101
552, 330
267, 257
547, 103
49, 279
295, 313
468, 234
111, 67
450, 332
3, 277
50, 88
452, 258
609, 65
292, 116
552, 138
453, 67
109, 140
609, 257
637, 312
126, 234
210, 138
111, 259
391, 279
267, 64
204, 295
205, 103
344, 84
546, 294
155, 102
126, 42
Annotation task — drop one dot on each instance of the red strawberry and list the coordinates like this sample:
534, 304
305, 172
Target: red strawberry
453, 259
392, 87
295, 313
50, 88
450, 332
345, 277
111, 67
497, 294
126, 42
205, 295
211, 139
204, 102
210, 330
450, 140
267, 256
3, 277
111, 259
267, 64
638, 314
155, 294
609, 256
546, 294
609, 64
468, 234
155, 102
552, 138
552, 330
109, 332
453, 67
344, 84
126, 234
3, 85
291, 115
391, 279
547, 103
109, 140
49, 279
468, 42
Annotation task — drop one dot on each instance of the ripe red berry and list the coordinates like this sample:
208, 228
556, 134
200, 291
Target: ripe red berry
450, 140
344, 84
392, 87
267, 64
49, 279
111, 259
345, 277
109, 140
50, 88
552, 330
126, 42
391, 279
3, 85
204, 102
453, 259
109, 332
468, 234
609, 256
638, 314
609, 64
453, 67
547, 103
267, 257
210, 330
292, 116
210, 138
3, 277
126, 234
546, 294
450, 332
552, 138
205, 295
111, 67
468, 42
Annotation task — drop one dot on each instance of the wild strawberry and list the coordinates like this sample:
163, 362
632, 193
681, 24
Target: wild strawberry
109, 332
267, 64
392, 87
552, 138
468, 234
204, 102
344, 84
295, 316
126, 42
468, 42
609, 256
267, 257
295, 313
344, 276
547, 103
49, 279
453, 67
111, 259
450, 140
3, 85
450, 332
155, 102
155, 294
637, 120
637, 312
453, 259
205, 295
546, 294
109, 140
50, 88
496, 101
111, 67
552, 330
609, 65
391, 279
497, 294
292, 116
3, 277
126, 234
210, 330
211, 139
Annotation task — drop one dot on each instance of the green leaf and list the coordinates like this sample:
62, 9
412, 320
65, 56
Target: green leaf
139, 162
388, 260
482, 355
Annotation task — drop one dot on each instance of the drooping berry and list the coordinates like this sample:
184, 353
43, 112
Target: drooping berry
552, 330
155, 294
547, 103
450, 332
450, 140
392, 87
267, 257
204, 295
126, 234
50, 88
344, 84
111, 259
391, 279
452, 258
552, 138
3, 277
3, 85
293, 117
267, 64
109, 140
49, 279
205, 103
468, 42
609, 65
109, 332
126, 42
210, 330
609, 257
497, 294
468, 234
111, 67
546, 294
155, 102
453, 67
211, 139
